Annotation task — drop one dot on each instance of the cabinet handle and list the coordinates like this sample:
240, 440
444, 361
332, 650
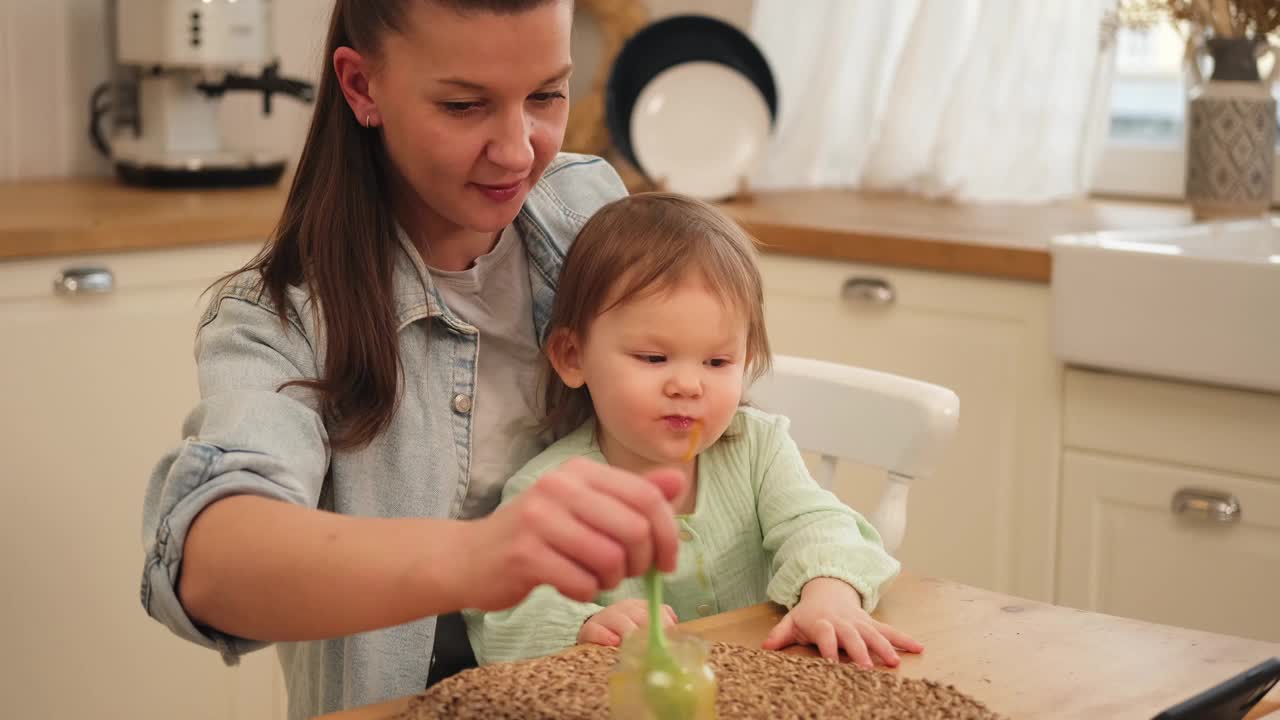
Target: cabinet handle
873, 290
1207, 505
84, 281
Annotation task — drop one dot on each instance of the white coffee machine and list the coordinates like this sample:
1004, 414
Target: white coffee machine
173, 61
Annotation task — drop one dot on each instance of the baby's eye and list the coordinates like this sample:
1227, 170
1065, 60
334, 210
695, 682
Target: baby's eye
651, 359
718, 362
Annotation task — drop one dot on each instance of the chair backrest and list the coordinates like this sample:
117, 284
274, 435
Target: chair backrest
874, 418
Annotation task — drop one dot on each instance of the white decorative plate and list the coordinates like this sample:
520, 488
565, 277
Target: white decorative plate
699, 127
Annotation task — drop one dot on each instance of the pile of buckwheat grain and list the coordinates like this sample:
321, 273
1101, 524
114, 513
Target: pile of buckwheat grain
753, 684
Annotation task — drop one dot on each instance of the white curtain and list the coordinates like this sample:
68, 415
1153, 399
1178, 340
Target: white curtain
974, 100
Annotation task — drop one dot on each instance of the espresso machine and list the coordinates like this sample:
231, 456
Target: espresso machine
172, 62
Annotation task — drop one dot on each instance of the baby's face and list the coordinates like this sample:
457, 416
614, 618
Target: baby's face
658, 364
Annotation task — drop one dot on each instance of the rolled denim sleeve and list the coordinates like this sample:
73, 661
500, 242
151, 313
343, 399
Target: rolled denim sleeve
246, 436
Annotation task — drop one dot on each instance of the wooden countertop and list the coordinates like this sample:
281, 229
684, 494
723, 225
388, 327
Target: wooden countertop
1005, 241
92, 215
1023, 659
61, 217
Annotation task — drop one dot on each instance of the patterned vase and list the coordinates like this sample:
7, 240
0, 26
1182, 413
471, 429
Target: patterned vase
1231, 135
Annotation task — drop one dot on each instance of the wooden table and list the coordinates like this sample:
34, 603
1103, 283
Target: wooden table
1024, 659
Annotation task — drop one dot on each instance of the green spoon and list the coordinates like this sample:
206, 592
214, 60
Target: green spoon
667, 687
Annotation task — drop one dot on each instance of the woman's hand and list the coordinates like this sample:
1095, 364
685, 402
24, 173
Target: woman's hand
581, 528
612, 624
830, 615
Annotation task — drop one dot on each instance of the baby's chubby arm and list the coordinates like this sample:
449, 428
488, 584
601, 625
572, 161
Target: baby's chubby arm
807, 531
829, 563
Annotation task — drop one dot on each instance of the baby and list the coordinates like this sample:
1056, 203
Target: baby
657, 328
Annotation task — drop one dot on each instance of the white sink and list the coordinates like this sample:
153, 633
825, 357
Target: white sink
1198, 302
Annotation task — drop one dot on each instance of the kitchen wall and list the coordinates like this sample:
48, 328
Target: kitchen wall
53, 53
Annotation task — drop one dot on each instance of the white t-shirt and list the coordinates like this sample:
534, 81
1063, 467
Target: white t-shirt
494, 296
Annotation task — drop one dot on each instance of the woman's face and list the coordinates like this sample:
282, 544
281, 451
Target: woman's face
473, 107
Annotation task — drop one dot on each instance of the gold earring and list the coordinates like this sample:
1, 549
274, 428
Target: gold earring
367, 121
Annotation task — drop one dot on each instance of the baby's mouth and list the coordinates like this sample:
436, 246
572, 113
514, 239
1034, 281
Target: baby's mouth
681, 423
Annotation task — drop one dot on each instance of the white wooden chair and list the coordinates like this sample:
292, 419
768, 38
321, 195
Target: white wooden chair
878, 419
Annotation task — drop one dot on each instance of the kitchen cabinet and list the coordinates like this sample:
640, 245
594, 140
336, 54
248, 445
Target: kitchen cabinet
94, 388
1171, 503
988, 518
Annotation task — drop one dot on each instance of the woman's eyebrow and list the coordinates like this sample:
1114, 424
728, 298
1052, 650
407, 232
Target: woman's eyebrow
469, 85
464, 84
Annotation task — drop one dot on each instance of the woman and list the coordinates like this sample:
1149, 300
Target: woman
370, 379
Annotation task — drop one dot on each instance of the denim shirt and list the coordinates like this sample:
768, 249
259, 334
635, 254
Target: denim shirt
247, 437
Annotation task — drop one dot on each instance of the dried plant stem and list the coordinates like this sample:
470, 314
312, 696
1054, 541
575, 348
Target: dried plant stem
1222, 25
1202, 12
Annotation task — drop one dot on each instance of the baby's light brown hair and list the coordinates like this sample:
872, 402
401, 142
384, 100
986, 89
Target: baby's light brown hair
642, 245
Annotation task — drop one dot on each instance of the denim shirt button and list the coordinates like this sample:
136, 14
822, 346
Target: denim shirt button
462, 403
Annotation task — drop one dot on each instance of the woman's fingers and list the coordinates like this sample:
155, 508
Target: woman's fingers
610, 516
670, 483
666, 542
585, 527
656, 542
551, 567
645, 499
575, 543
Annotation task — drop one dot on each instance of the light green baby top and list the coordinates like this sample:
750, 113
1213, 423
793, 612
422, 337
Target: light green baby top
761, 528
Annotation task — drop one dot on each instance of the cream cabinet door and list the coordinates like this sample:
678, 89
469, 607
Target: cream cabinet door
988, 517
93, 390
1127, 551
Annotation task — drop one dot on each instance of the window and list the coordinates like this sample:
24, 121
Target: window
1145, 153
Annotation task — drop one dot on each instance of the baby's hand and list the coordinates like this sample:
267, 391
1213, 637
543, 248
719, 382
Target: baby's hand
830, 615
615, 622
